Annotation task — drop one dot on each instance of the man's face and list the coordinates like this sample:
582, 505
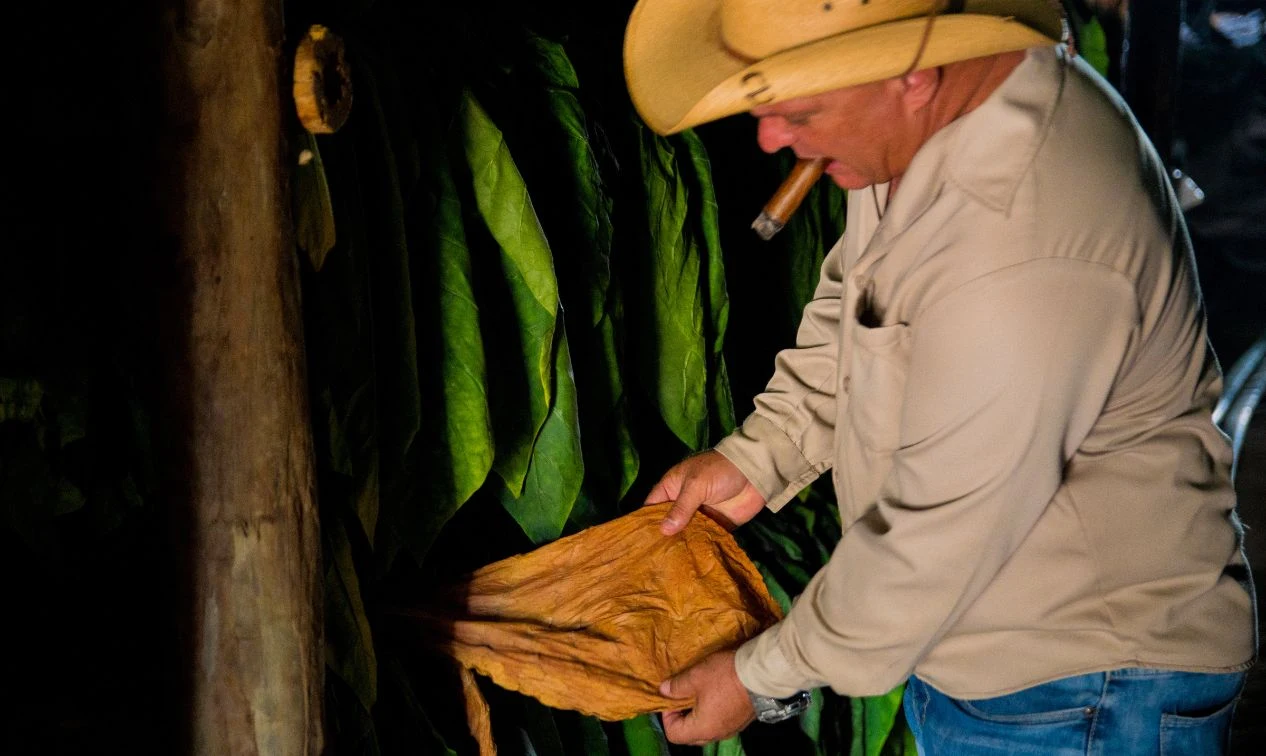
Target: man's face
855, 127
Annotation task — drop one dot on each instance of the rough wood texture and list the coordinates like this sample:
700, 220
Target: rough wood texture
240, 385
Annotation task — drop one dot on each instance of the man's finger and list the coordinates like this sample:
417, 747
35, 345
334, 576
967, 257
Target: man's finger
684, 728
675, 687
672, 721
689, 498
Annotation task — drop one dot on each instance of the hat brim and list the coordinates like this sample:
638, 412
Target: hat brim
680, 73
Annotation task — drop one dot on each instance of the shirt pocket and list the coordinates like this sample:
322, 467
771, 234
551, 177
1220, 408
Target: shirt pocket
876, 384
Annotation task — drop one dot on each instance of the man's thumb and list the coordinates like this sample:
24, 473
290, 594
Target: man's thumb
688, 501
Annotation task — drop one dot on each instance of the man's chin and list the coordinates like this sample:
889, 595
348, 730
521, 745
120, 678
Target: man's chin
850, 183
846, 179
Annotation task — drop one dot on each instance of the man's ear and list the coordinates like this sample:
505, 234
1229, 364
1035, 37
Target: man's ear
920, 87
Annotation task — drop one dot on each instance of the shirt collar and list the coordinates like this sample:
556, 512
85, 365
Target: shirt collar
987, 152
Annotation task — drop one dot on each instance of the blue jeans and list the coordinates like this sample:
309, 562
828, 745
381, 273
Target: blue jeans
1125, 711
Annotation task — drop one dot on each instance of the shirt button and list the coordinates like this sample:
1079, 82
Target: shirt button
848, 382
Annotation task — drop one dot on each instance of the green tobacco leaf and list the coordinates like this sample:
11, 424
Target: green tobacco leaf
718, 299
557, 467
341, 339
20, 399
901, 742
313, 208
1093, 46
644, 737
630, 463
363, 468
592, 202
582, 237
349, 646
71, 419
460, 446
728, 747
775, 589
873, 720
68, 498
811, 719
423, 723
676, 361
395, 339
529, 270
805, 240
540, 730
787, 549
369, 496
340, 454
594, 738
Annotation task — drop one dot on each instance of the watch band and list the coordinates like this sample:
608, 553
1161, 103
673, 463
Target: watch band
770, 710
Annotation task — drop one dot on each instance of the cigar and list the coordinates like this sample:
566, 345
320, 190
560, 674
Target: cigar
783, 204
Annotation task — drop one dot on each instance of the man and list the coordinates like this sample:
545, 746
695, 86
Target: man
1005, 369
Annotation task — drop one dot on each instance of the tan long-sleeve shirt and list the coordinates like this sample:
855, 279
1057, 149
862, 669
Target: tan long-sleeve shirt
1009, 378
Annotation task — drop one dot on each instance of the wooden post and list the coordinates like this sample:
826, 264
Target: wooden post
237, 385
1149, 70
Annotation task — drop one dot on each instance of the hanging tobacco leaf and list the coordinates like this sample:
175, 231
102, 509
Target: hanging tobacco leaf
341, 345
580, 231
554, 475
395, 339
806, 239
540, 731
874, 720
528, 266
20, 399
456, 454
312, 206
590, 205
718, 299
728, 747
643, 736
1092, 44
673, 355
582, 734
424, 729
349, 646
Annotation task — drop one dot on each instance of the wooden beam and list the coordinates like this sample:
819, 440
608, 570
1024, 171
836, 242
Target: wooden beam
238, 385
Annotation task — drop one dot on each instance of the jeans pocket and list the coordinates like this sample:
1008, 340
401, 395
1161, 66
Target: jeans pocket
1071, 699
1205, 735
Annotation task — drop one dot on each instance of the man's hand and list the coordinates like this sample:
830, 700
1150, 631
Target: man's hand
722, 706
711, 482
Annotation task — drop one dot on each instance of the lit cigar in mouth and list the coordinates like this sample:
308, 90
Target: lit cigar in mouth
783, 204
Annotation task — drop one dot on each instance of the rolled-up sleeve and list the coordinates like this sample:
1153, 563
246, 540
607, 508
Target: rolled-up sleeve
788, 440
1007, 375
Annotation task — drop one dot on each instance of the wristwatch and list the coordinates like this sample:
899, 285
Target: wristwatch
770, 710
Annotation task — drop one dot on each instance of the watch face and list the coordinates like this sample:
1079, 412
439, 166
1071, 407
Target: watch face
770, 710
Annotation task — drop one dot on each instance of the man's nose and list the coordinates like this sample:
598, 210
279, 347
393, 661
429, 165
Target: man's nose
773, 133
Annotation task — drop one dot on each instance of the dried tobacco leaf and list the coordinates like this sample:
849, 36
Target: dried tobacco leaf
596, 621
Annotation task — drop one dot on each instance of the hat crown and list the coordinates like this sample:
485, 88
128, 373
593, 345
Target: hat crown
756, 29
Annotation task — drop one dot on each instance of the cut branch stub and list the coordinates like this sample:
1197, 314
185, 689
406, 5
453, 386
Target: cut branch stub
323, 85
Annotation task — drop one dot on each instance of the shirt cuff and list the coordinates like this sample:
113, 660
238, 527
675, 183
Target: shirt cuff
764, 669
767, 457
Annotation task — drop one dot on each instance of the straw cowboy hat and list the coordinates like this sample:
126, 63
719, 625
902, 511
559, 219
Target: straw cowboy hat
688, 62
